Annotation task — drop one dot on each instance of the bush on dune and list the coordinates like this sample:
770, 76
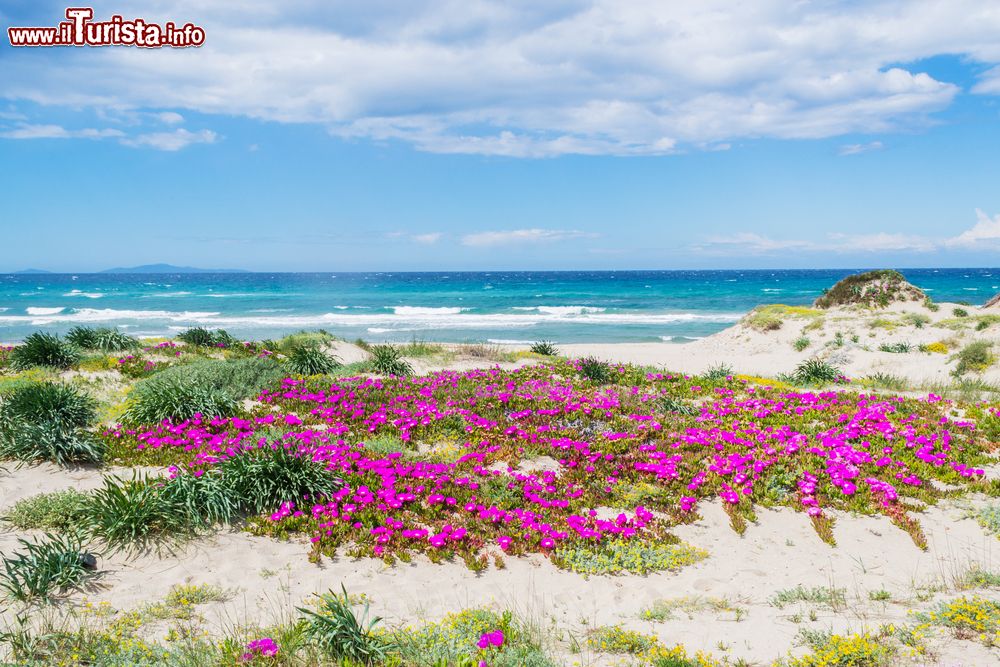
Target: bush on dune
261, 479
202, 337
175, 399
42, 349
47, 422
130, 513
59, 510
310, 359
387, 360
103, 339
239, 378
54, 563
873, 289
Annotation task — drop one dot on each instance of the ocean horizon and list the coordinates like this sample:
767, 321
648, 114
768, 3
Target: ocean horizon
449, 306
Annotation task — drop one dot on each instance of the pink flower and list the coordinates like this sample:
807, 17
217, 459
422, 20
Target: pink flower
492, 638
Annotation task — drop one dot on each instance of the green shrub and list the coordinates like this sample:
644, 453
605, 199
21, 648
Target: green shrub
719, 372
174, 399
46, 422
341, 634
42, 349
976, 357
596, 370
801, 343
311, 360
238, 378
300, 339
132, 513
544, 348
261, 479
103, 339
896, 348
620, 556
960, 312
834, 597
59, 510
815, 372
201, 337
918, 320
45, 566
886, 381
452, 641
387, 360
930, 305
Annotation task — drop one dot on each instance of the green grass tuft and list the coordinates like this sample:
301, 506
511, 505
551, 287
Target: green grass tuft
42, 349
387, 360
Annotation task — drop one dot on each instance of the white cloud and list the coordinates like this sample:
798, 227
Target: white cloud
880, 242
32, 131
170, 117
427, 239
495, 238
171, 141
854, 149
986, 231
527, 79
752, 243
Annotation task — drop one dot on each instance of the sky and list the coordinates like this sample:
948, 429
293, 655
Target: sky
473, 135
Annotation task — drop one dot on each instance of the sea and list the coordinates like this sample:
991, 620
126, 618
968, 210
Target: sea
495, 307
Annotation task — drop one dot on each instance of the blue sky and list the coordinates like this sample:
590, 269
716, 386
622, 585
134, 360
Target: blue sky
480, 135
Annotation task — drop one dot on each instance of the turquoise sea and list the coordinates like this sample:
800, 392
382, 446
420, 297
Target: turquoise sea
565, 306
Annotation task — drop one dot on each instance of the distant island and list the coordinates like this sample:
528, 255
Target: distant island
169, 268
32, 271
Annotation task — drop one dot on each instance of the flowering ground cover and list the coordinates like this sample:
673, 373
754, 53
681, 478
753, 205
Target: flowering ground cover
488, 463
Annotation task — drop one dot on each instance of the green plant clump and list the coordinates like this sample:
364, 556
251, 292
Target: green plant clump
815, 372
42, 349
175, 399
341, 634
43, 567
617, 557
311, 360
201, 337
544, 348
387, 360
596, 371
976, 357
47, 422
896, 348
103, 339
58, 511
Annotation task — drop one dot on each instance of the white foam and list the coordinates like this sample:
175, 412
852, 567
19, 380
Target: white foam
89, 295
418, 311
405, 318
561, 310
510, 341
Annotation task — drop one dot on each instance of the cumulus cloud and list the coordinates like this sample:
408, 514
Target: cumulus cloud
527, 79
495, 238
986, 231
171, 141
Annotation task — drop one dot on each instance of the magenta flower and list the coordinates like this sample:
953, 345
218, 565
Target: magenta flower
490, 639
